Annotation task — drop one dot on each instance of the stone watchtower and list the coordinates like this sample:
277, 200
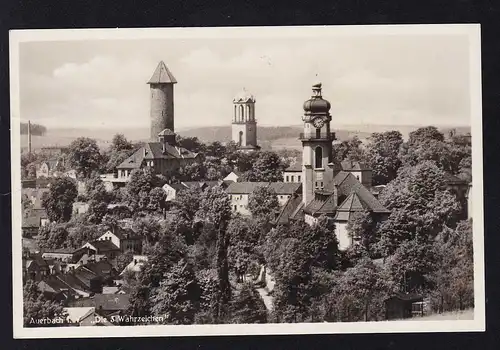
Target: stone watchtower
244, 125
162, 100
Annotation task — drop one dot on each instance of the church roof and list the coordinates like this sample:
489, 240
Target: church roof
296, 167
289, 209
348, 165
162, 75
244, 96
155, 150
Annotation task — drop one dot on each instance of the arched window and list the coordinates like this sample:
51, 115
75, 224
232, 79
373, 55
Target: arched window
240, 141
248, 113
242, 113
318, 157
235, 113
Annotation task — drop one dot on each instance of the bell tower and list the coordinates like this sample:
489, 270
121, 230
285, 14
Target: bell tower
318, 167
244, 125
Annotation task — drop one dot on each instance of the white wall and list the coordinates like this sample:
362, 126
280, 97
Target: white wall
239, 204
110, 236
292, 176
343, 237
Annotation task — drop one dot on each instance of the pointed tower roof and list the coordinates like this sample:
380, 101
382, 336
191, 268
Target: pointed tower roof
162, 75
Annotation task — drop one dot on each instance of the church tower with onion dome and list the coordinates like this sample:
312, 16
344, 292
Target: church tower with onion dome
244, 125
318, 166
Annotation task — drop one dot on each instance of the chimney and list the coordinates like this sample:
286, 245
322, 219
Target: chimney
29, 137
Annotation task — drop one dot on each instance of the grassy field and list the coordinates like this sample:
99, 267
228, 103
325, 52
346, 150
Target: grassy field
447, 316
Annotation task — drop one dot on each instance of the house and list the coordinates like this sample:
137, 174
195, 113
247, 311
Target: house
47, 168
293, 173
80, 316
35, 267
123, 238
34, 195
233, 176
32, 220
172, 190
55, 288
361, 171
402, 305
161, 157
105, 304
203, 185
73, 284
240, 193
67, 255
136, 264
104, 247
80, 208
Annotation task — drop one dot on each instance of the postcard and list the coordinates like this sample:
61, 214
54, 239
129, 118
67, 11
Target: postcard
247, 181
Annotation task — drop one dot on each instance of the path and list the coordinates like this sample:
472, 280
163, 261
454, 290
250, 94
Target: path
268, 300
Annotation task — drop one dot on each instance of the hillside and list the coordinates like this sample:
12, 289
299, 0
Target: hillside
269, 137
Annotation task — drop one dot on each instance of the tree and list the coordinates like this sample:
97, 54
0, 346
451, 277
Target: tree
349, 150
123, 260
216, 210
36, 308
263, 203
359, 293
382, 155
242, 246
268, 167
412, 264
362, 229
320, 244
191, 143
120, 143
420, 206
84, 156
425, 133
115, 158
248, 306
58, 202
178, 295
53, 236
157, 197
98, 199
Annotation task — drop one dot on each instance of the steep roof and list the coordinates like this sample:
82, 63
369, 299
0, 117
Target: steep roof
451, 179
108, 302
162, 75
176, 186
245, 187
349, 165
104, 246
155, 150
285, 187
288, 209
296, 167
101, 268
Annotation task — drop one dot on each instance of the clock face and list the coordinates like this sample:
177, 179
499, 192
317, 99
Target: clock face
318, 123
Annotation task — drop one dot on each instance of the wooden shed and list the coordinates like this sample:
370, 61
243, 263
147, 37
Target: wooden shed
402, 305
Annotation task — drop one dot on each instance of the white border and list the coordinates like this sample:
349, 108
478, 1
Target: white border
470, 30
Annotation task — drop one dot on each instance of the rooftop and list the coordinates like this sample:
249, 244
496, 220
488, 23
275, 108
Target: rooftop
155, 150
162, 75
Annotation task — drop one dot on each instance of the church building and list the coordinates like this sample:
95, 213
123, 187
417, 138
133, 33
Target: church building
161, 153
244, 125
336, 190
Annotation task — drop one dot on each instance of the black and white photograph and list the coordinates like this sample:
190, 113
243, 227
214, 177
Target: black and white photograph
251, 180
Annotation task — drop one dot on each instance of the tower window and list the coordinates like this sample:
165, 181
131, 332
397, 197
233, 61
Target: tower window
240, 141
318, 157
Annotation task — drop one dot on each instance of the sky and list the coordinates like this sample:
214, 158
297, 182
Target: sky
377, 79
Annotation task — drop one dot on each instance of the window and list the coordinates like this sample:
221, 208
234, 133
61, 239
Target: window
235, 207
357, 177
240, 140
298, 178
287, 179
318, 157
